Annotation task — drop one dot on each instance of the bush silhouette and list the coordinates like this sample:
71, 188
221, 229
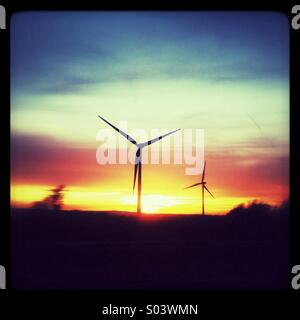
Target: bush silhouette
52, 202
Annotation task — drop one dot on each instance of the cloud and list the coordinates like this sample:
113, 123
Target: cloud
258, 176
43, 160
49, 50
69, 84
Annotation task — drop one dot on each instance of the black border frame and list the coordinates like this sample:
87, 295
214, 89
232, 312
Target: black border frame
88, 303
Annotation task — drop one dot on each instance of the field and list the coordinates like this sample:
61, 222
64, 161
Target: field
118, 250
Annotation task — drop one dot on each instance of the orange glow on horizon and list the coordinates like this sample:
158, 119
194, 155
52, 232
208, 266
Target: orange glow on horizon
233, 179
78, 198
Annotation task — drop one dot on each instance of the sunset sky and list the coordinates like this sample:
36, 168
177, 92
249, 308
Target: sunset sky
226, 73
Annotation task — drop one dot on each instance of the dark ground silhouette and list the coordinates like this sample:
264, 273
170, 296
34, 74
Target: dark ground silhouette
247, 249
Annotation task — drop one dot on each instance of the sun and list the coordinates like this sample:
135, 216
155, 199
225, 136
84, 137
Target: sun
152, 203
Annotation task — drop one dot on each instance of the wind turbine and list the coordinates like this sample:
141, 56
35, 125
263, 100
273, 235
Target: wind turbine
203, 184
138, 159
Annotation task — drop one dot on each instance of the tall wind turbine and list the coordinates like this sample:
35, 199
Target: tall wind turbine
138, 159
203, 185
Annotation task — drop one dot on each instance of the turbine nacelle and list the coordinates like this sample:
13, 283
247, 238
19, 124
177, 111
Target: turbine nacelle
138, 155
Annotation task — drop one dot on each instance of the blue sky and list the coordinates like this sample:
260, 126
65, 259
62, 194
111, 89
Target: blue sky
75, 49
211, 69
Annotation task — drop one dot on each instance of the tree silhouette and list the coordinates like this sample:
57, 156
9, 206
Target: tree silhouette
52, 202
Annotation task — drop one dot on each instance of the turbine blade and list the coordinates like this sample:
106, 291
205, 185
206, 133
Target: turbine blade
205, 187
134, 179
157, 139
203, 173
136, 165
120, 131
193, 185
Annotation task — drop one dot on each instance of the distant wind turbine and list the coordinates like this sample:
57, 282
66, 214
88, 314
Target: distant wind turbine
138, 158
203, 184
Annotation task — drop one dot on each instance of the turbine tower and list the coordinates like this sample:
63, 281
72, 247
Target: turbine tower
203, 185
138, 159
